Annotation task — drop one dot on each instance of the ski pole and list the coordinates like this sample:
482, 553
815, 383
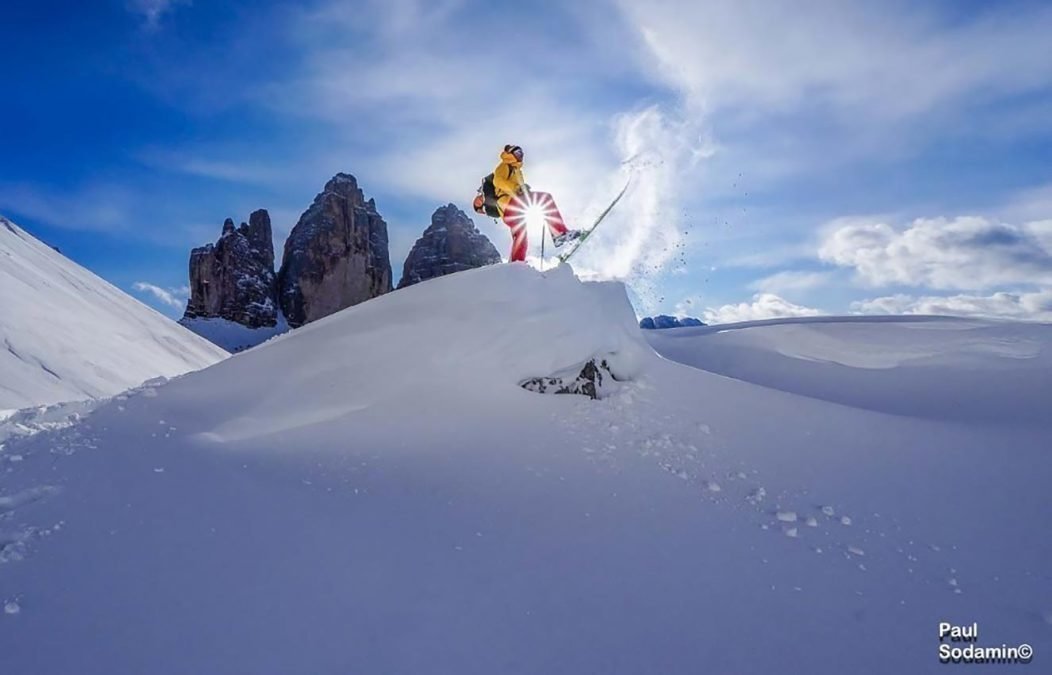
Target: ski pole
544, 230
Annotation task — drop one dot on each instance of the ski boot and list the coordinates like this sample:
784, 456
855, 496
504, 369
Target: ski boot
567, 236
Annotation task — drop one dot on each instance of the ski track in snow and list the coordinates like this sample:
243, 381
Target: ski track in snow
689, 452
61, 425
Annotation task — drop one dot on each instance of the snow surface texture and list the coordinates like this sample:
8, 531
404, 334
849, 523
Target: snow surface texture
927, 367
66, 334
231, 335
398, 504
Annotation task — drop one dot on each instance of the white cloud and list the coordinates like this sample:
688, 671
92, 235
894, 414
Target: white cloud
152, 11
173, 297
957, 254
763, 306
1035, 306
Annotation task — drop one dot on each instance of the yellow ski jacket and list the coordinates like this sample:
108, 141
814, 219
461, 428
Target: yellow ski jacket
507, 179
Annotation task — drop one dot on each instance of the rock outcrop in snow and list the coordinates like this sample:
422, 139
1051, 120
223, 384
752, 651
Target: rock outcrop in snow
450, 244
65, 334
234, 278
594, 380
336, 256
665, 321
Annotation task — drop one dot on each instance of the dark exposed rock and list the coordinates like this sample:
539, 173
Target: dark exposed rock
665, 321
593, 378
450, 244
234, 278
336, 256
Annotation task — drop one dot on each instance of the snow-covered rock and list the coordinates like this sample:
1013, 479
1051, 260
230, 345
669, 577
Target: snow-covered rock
594, 379
65, 334
336, 256
234, 278
450, 244
399, 504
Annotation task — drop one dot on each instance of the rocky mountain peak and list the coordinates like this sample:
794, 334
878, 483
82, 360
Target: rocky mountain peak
234, 278
336, 255
259, 234
345, 185
451, 243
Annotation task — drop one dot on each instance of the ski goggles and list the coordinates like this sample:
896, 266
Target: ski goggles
515, 151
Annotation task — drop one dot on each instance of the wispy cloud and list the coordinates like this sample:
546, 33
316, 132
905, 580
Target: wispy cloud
796, 91
791, 281
1029, 205
878, 60
97, 207
172, 297
152, 11
110, 208
206, 163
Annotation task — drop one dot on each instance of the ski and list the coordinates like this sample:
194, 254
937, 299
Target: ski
563, 257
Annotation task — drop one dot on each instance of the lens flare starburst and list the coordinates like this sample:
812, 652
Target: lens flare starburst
536, 214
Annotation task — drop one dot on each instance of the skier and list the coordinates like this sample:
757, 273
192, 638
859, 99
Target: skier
504, 194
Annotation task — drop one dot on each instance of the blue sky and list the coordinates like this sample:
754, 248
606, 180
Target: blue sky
835, 157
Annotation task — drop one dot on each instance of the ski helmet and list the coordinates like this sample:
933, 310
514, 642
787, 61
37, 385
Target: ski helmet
514, 150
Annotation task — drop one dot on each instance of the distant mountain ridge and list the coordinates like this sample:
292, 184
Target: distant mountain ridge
336, 256
662, 321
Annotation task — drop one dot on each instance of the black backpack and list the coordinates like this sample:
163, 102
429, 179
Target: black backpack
486, 201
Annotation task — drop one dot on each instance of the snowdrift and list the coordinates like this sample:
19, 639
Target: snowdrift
442, 349
69, 335
376, 493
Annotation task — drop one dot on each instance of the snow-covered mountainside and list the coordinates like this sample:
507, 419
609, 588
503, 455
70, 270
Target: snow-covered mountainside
395, 502
69, 335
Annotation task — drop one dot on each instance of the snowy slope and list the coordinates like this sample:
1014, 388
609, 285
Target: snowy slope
69, 335
930, 367
395, 503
